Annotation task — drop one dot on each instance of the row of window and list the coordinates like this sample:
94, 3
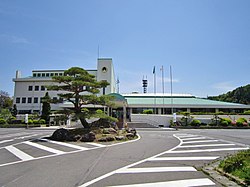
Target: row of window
36, 88
47, 74
31, 100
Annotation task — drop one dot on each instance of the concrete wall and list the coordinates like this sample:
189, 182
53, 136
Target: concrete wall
157, 120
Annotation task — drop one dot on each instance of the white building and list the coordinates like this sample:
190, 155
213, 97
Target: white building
28, 91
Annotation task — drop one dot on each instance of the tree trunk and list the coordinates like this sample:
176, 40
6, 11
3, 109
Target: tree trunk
85, 124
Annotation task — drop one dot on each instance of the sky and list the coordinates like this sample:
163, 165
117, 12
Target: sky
206, 42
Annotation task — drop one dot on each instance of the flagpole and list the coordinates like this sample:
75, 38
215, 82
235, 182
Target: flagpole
162, 69
154, 89
171, 89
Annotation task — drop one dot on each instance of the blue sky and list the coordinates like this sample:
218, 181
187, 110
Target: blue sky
207, 42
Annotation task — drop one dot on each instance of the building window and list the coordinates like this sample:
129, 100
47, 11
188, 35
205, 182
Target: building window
47, 74
52, 74
42, 88
43, 74
39, 74
56, 74
36, 88
34, 74
30, 88
23, 99
60, 74
29, 100
35, 99
18, 100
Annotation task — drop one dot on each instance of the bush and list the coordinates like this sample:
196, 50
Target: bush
2, 121
195, 122
15, 121
30, 121
150, 111
241, 121
247, 112
35, 121
225, 122
42, 121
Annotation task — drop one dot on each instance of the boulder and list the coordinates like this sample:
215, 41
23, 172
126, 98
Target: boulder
104, 139
119, 138
109, 131
130, 135
110, 138
61, 135
89, 137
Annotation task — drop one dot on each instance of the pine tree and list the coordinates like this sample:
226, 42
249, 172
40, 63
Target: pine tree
80, 88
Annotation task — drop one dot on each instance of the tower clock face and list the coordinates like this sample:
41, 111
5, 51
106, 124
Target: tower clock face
104, 69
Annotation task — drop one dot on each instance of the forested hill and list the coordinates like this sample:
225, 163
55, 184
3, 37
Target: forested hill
239, 95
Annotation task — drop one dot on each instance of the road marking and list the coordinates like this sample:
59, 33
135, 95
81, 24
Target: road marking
155, 169
4, 141
197, 138
18, 153
210, 150
96, 144
177, 183
44, 148
207, 145
187, 136
66, 144
183, 158
202, 141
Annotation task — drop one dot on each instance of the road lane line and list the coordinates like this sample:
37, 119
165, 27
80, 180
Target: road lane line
155, 169
96, 144
183, 158
66, 144
210, 150
18, 153
177, 183
202, 141
44, 148
4, 141
206, 145
197, 138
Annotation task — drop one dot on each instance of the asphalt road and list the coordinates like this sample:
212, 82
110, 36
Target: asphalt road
158, 158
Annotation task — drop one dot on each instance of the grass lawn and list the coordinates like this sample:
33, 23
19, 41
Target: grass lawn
238, 165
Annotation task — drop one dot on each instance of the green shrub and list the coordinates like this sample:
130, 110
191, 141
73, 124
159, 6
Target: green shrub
195, 122
150, 111
2, 121
42, 121
247, 112
30, 121
241, 121
224, 123
35, 121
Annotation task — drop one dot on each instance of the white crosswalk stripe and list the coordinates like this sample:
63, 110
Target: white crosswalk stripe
178, 183
66, 144
18, 153
44, 148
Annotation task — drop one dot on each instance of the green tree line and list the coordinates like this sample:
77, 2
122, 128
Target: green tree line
238, 95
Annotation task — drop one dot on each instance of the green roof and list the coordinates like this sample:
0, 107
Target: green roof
176, 101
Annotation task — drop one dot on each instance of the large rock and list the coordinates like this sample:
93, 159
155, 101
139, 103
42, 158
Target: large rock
61, 135
109, 131
89, 137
